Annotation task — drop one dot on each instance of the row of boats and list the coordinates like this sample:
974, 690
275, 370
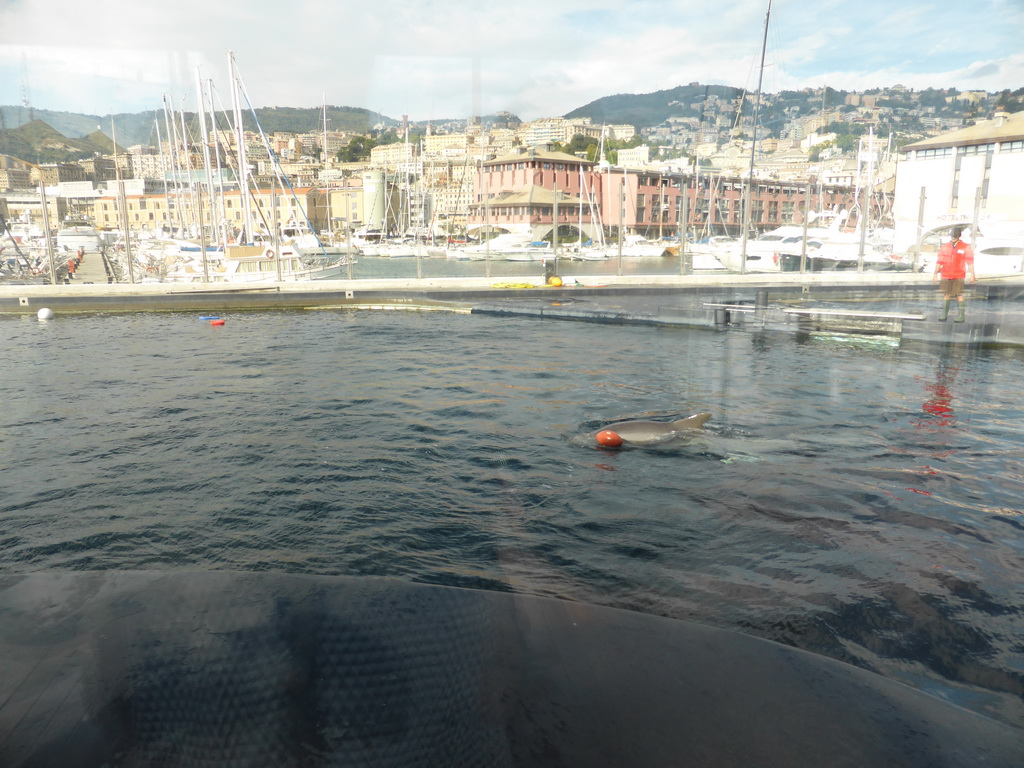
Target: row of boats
301, 255
517, 247
998, 248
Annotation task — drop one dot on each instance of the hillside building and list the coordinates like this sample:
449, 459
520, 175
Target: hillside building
51, 174
975, 174
27, 206
14, 178
155, 212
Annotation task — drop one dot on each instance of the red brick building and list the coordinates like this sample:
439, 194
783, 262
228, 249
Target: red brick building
517, 193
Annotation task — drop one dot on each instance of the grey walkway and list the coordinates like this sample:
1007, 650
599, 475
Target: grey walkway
91, 270
993, 317
901, 306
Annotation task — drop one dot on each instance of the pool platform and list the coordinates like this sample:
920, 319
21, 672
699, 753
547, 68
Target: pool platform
899, 305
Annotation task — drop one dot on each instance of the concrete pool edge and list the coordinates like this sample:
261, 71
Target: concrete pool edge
710, 301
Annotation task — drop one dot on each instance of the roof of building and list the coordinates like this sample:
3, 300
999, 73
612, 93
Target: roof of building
1004, 127
533, 195
533, 153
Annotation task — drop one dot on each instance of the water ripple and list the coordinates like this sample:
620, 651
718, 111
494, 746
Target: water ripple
856, 502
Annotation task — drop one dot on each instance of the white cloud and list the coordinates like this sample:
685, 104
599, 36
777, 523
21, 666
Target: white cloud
453, 58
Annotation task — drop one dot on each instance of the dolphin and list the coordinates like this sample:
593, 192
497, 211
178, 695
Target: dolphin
642, 432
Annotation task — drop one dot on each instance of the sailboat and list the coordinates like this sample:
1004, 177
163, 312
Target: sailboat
753, 149
297, 239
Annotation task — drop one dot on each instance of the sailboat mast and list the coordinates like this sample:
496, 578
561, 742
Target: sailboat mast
187, 152
579, 226
323, 153
222, 217
164, 165
211, 197
243, 162
753, 146
327, 186
123, 215
407, 217
172, 145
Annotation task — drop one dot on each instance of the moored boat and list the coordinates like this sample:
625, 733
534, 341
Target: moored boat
79, 233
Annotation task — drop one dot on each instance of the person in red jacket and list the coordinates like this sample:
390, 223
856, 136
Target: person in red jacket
954, 262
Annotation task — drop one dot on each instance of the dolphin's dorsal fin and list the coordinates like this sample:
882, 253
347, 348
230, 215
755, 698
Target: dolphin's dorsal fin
692, 422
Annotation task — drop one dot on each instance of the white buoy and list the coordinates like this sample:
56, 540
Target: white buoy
45, 313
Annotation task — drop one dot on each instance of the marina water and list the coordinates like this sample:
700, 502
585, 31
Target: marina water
848, 497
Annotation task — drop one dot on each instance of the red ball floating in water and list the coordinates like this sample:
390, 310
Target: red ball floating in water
217, 321
609, 439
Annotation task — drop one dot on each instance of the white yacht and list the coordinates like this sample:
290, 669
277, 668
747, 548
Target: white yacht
79, 233
510, 246
998, 248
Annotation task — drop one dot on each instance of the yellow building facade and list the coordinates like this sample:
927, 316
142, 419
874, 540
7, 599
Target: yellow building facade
172, 211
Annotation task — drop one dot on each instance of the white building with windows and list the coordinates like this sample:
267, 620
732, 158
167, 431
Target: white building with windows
971, 176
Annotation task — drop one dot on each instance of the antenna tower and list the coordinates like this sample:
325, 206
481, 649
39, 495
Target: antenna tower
25, 100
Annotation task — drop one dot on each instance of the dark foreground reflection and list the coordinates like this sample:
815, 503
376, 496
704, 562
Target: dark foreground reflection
126, 669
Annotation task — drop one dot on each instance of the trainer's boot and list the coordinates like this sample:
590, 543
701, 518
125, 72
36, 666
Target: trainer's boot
945, 310
962, 308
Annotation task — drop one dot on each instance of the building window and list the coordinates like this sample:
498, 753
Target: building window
976, 149
1012, 146
924, 154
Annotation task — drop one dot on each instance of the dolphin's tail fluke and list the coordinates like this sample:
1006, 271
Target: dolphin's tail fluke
692, 422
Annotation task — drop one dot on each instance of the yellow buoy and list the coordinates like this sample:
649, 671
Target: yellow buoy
555, 281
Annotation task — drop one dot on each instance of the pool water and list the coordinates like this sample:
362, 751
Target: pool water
848, 497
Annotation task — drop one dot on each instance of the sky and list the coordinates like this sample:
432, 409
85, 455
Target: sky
451, 59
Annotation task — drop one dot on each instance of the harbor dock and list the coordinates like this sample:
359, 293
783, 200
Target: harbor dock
899, 305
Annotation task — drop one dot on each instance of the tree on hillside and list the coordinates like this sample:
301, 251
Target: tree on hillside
582, 144
846, 129
832, 97
358, 149
814, 153
848, 142
385, 137
1011, 101
933, 97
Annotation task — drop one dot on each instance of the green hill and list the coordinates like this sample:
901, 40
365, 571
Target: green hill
141, 127
644, 110
57, 137
48, 136
647, 109
39, 142
302, 120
